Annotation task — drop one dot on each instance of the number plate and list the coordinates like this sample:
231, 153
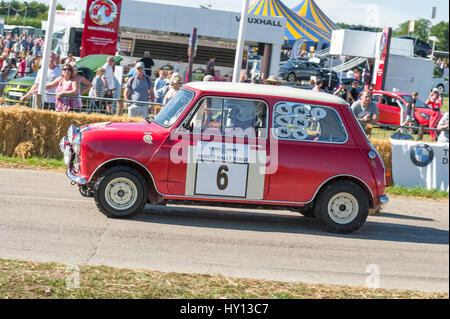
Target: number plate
221, 179
17, 94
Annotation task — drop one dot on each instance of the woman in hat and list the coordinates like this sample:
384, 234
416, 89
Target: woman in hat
435, 102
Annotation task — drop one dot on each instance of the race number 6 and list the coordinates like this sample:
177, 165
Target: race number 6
221, 179
222, 176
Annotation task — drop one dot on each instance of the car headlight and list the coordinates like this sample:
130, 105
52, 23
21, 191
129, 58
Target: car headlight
71, 132
67, 155
425, 116
76, 144
62, 144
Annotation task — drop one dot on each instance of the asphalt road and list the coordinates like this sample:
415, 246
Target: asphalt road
44, 218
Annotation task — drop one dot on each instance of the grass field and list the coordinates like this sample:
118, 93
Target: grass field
21, 279
445, 106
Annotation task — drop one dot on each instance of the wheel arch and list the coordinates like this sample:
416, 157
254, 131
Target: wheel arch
154, 196
350, 178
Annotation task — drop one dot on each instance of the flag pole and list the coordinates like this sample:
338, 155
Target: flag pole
240, 42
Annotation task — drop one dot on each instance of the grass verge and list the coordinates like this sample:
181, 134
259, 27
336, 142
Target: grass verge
21, 279
445, 105
416, 192
32, 163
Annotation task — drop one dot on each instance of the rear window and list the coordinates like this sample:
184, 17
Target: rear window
306, 122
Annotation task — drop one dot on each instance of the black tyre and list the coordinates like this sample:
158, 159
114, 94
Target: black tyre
120, 192
342, 207
308, 213
291, 77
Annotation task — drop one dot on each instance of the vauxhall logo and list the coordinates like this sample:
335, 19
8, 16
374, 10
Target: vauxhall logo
260, 21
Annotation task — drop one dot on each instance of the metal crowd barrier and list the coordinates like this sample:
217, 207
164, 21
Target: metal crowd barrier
87, 104
385, 131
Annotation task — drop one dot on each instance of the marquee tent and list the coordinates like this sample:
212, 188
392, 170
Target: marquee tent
296, 26
309, 10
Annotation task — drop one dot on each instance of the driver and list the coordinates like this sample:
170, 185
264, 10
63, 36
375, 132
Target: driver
242, 115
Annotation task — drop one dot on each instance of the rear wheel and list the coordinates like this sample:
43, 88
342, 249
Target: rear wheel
342, 207
120, 192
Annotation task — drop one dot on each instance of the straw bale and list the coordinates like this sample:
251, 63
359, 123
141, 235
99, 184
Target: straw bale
384, 147
26, 132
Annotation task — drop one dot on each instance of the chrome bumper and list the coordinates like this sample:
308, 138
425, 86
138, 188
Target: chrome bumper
384, 199
75, 179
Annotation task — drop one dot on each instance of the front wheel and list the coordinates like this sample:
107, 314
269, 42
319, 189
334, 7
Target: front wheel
291, 77
120, 192
342, 207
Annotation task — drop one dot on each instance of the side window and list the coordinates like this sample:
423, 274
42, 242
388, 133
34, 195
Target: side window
229, 117
384, 99
304, 122
392, 101
376, 98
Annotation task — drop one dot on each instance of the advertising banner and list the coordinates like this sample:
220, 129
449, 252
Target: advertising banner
420, 164
383, 52
101, 27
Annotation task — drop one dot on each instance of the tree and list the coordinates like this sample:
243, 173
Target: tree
440, 30
421, 29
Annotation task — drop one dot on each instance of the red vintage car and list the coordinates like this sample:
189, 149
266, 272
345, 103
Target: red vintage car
236, 145
392, 108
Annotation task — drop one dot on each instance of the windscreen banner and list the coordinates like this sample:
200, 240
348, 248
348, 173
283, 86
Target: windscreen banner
101, 27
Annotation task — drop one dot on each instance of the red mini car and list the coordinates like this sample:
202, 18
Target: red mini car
392, 104
236, 145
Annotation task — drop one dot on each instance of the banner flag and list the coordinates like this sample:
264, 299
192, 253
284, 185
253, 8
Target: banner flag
101, 27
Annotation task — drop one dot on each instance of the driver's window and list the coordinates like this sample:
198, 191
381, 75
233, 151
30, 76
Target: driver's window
376, 98
392, 101
229, 117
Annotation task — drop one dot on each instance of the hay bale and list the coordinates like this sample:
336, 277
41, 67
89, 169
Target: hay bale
384, 147
24, 150
29, 132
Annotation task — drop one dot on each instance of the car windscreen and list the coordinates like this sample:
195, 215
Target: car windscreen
419, 103
170, 113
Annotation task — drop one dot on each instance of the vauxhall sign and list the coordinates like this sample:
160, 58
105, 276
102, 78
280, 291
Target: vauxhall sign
262, 21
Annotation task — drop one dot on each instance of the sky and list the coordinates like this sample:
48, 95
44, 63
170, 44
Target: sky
377, 13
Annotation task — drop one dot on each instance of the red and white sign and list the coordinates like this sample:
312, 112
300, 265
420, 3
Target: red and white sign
101, 27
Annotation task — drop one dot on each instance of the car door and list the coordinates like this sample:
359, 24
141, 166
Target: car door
389, 110
219, 150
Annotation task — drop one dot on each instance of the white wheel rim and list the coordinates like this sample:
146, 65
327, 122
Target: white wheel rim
121, 193
343, 208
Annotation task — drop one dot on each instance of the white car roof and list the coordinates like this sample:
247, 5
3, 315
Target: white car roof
268, 90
